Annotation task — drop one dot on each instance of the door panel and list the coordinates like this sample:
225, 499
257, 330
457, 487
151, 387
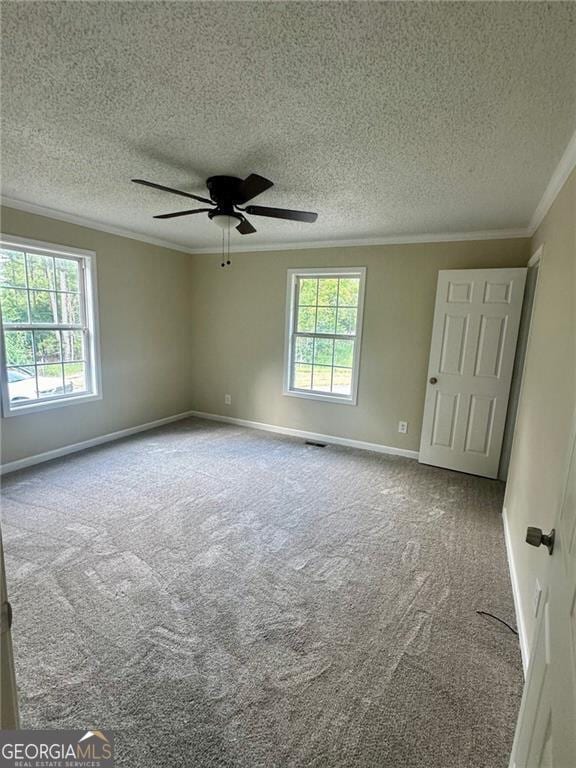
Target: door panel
480, 422
490, 346
471, 356
459, 293
445, 416
498, 292
453, 344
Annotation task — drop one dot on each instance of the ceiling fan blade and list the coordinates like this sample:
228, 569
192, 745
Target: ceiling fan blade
174, 191
251, 186
182, 213
245, 228
281, 213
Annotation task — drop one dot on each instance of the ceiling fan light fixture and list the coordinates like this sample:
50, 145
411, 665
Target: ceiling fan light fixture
224, 221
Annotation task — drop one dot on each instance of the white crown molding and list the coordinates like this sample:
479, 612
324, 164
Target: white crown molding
443, 237
82, 221
562, 171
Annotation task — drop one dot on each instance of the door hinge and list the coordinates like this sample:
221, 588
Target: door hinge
5, 617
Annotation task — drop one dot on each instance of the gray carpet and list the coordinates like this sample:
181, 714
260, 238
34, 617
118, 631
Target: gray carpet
225, 597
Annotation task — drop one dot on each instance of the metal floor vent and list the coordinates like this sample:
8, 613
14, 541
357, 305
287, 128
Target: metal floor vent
315, 444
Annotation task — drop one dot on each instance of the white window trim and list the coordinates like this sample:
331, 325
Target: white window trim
88, 260
293, 274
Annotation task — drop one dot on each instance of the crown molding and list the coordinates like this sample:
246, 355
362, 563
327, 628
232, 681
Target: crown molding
561, 172
445, 237
435, 237
82, 221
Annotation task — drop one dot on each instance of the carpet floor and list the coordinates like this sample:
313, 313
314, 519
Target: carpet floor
219, 596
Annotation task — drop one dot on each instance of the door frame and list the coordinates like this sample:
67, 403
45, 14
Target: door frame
9, 716
536, 258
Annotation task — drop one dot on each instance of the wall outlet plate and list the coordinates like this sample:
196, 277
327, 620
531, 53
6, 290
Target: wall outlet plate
403, 427
227, 399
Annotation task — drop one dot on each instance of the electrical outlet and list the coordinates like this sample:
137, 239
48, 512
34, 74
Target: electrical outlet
402, 427
227, 399
536, 598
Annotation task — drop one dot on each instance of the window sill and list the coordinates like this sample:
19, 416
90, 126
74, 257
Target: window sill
48, 405
321, 397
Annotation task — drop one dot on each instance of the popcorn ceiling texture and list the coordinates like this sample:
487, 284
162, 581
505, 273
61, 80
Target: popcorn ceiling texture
222, 597
387, 118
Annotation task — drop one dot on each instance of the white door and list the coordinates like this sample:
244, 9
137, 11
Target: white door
546, 730
474, 337
8, 701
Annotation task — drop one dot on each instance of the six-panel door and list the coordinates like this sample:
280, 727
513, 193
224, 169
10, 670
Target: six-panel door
471, 360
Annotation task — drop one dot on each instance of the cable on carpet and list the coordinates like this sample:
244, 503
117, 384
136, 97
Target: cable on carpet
510, 627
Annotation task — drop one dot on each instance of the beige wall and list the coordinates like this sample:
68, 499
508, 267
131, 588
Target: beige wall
548, 398
239, 325
145, 329
178, 332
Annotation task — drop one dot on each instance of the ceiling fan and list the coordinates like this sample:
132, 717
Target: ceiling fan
227, 194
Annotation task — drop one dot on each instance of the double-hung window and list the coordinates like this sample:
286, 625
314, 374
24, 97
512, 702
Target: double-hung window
49, 326
324, 324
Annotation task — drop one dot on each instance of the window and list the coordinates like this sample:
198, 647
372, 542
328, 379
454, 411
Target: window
324, 323
49, 329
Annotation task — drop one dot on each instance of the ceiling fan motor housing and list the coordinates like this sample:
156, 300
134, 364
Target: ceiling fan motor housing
225, 191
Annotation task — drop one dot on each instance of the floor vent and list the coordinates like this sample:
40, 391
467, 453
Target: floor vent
315, 444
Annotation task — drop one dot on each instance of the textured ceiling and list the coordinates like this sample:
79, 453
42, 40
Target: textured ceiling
387, 118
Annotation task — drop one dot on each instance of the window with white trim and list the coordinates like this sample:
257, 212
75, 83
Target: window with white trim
323, 333
49, 329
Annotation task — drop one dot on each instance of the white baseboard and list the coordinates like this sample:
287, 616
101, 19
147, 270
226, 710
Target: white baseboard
29, 461
522, 635
317, 436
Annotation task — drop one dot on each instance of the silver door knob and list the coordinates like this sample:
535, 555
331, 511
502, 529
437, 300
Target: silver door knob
535, 538
433, 380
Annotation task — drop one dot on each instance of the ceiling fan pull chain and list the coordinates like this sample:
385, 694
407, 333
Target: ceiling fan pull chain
223, 264
228, 262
